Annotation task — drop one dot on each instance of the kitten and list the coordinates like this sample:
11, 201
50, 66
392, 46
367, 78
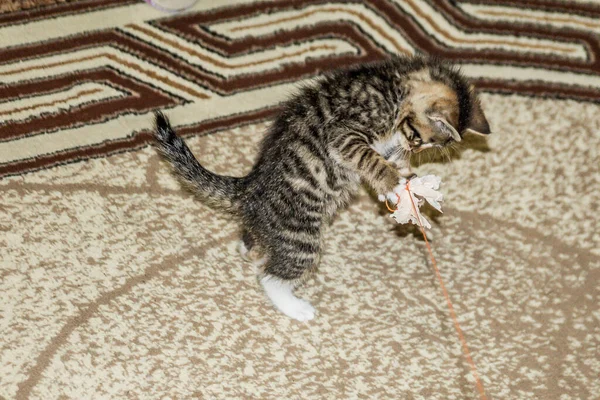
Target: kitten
360, 124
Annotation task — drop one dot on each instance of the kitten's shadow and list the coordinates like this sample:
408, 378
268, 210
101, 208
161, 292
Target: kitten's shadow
437, 156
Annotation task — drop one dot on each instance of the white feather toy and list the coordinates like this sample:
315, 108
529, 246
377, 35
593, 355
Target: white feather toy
423, 189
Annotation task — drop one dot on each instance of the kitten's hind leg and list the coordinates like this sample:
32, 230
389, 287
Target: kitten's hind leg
280, 292
248, 248
245, 245
280, 274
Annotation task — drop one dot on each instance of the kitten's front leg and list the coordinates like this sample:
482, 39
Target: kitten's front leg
403, 167
375, 170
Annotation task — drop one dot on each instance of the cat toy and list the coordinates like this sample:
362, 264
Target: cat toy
411, 195
417, 191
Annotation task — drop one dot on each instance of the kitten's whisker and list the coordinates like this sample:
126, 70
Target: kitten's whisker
453, 147
446, 152
420, 158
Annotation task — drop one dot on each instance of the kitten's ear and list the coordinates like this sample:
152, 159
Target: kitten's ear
444, 126
478, 123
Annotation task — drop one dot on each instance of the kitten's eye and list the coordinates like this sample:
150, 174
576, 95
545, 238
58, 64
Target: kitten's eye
415, 134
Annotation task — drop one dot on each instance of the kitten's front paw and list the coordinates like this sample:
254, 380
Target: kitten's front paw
392, 197
406, 172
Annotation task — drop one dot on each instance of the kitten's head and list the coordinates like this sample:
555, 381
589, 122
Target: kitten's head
440, 106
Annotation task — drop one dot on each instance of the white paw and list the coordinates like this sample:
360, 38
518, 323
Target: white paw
242, 249
298, 309
406, 171
391, 197
282, 296
260, 262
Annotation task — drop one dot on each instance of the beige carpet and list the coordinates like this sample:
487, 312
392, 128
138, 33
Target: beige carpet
117, 284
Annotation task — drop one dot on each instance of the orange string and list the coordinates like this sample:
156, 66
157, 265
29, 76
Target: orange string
388, 207
459, 331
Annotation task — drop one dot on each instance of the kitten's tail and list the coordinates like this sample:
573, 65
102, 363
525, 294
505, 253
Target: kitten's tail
222, 191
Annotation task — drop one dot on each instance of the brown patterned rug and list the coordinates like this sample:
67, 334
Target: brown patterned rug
22, 5
116, 284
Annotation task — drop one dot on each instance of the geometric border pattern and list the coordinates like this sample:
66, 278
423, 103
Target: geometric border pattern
222, 64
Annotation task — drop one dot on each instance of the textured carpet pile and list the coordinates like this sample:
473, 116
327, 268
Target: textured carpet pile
116, 284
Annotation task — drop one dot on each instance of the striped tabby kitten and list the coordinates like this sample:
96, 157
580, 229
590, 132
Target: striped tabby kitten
354, 125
